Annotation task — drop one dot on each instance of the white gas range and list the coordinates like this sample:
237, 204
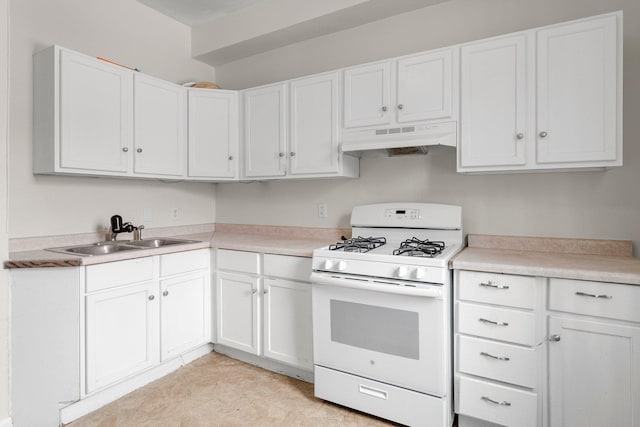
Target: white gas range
382, 313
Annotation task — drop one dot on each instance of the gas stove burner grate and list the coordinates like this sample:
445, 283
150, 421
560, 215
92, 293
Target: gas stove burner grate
358, 244
417, 247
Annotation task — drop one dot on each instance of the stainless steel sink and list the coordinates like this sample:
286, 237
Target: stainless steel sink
158, 243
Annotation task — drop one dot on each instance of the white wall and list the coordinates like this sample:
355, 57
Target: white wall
574, 204
127, 32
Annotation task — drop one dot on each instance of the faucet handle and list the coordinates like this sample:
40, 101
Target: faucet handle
137, 232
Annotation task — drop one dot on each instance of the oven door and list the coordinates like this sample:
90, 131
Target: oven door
381, 330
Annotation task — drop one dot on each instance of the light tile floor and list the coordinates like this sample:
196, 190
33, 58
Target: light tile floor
216, 390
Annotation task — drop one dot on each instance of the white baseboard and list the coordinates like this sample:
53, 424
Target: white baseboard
108, 395
6, 423
268, 364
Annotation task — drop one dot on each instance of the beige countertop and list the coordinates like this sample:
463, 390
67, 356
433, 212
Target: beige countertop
567, 258
293, 241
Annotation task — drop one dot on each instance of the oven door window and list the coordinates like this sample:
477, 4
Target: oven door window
380, 329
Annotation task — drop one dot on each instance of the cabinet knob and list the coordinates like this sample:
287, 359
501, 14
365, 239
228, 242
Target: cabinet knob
543, 134
151, 297
266, 291
139, 150
384, 108
125, 149
520, 135
165, 293
230, 157
280, 154
253, 291
293, 154
400, 106
554, 338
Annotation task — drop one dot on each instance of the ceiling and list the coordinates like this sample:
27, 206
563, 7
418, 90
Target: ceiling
196, 12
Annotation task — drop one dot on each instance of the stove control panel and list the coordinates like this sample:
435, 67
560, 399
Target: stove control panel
402, 214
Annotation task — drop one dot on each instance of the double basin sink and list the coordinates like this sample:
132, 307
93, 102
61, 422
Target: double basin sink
104, 248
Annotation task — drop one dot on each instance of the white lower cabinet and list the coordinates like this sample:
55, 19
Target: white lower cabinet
263, 306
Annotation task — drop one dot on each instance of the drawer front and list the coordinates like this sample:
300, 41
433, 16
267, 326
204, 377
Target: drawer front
496, 403
113, 274
184, 262
499, 289
380, 399
610, 300
244, 262
496, 323
288, 267
497, 361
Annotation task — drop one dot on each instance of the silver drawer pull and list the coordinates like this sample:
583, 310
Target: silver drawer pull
492, 322
495, 402
603, 296
505, 358
491, 285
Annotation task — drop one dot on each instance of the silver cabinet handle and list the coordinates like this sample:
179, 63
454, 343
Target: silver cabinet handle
384, 108
491, 356
520, 135
280, 154
165, 293
543, 134
602, 296
139, 150
491, 285
125, 149
151, 297
292, 154
554, 338
400, 106
483, 320
495, 402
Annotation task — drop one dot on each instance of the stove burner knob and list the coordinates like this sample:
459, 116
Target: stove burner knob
328, 264
402, 271
419, 273
342, 266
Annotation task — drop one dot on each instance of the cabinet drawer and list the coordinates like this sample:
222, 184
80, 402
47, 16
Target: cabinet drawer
112, 274
183, 262
497, 323
496, 403
497, 361
244, 262
380, 399
288, 267
499, 289
613, 301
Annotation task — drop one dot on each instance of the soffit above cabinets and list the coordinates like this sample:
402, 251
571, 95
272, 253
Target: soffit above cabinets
196, 12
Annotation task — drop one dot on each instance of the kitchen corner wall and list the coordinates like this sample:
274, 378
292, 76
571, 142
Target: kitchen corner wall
572, 204
4, 237
126, 32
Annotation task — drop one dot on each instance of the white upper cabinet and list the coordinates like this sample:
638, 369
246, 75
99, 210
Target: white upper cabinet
313, 147
408, 89
578, 92
549, 98
493, 103
213, 134
265, 130
83, 112
159, 127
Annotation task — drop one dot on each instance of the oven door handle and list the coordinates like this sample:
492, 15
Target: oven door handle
347, 282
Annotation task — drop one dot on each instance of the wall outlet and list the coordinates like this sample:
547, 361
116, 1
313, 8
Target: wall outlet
322, 210
175, 213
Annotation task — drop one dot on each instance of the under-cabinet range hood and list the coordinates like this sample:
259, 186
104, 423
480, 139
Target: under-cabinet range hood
401, 140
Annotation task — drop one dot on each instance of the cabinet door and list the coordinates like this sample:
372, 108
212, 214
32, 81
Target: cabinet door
288, 335
237, 311
425, 89
493, 97
213, 134
95, 112
314, 125
265, 130
185, 313
159, 127
577, 92
122, 336
594, 374
367, 95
